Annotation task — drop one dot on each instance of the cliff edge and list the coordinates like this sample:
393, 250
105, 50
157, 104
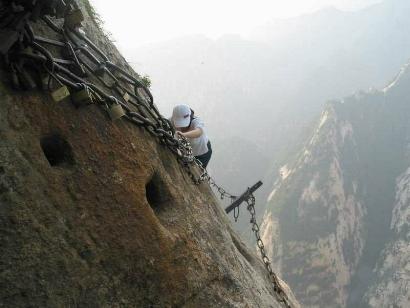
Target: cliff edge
98, 213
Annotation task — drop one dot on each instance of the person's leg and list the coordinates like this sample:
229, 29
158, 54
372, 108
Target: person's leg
205, 158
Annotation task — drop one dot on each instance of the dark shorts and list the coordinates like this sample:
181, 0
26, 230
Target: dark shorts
205, 158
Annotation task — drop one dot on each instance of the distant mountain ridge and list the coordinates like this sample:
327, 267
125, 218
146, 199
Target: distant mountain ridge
338, 223
268, 92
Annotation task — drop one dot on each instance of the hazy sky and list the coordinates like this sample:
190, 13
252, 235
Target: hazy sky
136, 22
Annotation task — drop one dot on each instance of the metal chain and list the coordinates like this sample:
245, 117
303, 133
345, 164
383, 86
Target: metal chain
74, 72
279, 291
77, 47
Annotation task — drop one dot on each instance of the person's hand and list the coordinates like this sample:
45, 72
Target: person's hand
179, 133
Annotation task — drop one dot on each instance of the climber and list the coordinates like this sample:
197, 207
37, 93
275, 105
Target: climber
192, 128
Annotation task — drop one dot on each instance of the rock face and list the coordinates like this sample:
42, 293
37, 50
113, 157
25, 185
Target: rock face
337, 221
393, 269
98, 214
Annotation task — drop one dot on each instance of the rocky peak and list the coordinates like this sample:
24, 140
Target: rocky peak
337, 224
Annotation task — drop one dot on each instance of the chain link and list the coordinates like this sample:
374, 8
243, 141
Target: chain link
75, 72
279, 291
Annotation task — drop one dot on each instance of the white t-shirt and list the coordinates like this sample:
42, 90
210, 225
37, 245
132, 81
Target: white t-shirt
199, 145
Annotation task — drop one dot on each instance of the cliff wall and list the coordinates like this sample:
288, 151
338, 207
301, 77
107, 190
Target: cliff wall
95, 213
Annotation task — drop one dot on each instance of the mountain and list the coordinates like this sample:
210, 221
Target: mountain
269, 88
97, 213
337, 221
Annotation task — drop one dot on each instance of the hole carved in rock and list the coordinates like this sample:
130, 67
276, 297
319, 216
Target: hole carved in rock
57, 150
157, 193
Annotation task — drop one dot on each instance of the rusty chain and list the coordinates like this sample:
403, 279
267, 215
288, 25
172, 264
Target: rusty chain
19, 46
279, 291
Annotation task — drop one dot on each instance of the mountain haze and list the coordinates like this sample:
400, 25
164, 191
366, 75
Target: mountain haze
268, 89
337, 223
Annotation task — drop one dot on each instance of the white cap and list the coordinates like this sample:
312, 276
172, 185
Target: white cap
181, 115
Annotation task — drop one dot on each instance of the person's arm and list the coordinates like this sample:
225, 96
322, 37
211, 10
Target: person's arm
195, 133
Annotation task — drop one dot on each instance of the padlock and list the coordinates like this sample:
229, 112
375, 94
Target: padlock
82, 97
116, 111
74, 19
126, 96
59, 94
